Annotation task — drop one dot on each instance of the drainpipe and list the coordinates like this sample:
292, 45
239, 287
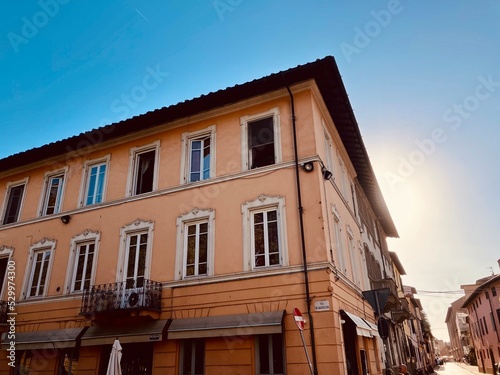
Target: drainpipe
302, 235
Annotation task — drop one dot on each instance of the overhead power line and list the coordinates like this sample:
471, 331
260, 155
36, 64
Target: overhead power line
441, 291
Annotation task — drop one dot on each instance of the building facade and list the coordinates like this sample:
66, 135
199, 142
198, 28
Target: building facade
458, 329
191, 233
482, 300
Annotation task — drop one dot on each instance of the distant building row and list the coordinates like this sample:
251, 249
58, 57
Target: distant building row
474, 324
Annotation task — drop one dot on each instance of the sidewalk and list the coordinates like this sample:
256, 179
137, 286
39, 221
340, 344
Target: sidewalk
472, 369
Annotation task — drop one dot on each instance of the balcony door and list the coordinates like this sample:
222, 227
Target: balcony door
137, 246
135, 269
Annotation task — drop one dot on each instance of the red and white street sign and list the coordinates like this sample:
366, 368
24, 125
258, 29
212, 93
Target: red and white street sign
299, 320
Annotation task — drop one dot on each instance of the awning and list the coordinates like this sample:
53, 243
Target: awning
373, 327
149, 331
227, 325
363, 327
56, 339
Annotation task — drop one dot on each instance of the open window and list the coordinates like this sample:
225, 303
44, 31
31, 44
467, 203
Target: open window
143, 173
261, 140
53, 193
198, 157
270, 354
13, 201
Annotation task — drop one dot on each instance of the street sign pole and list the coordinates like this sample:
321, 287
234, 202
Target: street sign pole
307, 354
299, 321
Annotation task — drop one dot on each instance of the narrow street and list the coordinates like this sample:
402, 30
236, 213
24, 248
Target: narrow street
452, 368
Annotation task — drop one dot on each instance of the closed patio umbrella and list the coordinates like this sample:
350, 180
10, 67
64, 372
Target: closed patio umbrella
114, 367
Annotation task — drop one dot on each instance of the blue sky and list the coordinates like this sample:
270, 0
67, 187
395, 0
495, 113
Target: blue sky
422, 77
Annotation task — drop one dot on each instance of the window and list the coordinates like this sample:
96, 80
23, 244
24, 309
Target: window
198, 159
329, 152
6, 269
339, 241
137, 358
41, 258
353, 256
135, 253
23, 361
135, 267
264, 233
196, 248
82, 261
83, 270
481, 325
353, 197
68, 361
261, 140
192, 357
265, 240
493, 291
195, 242
13, 202
270, 360
343, 178
485, 325
94, 181
53, 193
144, 169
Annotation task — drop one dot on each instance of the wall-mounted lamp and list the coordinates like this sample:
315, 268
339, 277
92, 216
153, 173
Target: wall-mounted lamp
308, 167
65, 219
326, 173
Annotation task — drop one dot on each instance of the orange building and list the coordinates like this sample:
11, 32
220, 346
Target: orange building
191, 233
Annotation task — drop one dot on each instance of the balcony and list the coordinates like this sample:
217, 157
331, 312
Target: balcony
403, 313
130, 295
3, 312
393, 302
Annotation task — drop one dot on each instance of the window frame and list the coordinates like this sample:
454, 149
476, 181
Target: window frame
44, 201
85, 237
244, 121
330, 151
194, 343
353, 258
137, 227
187, 138
43, 245
132, 179
6, 203
261, 204
5, 253
84, 189
270, 350
339, 240
195, 216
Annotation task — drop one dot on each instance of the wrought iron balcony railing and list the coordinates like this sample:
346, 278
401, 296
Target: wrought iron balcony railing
139, 294
3, 312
